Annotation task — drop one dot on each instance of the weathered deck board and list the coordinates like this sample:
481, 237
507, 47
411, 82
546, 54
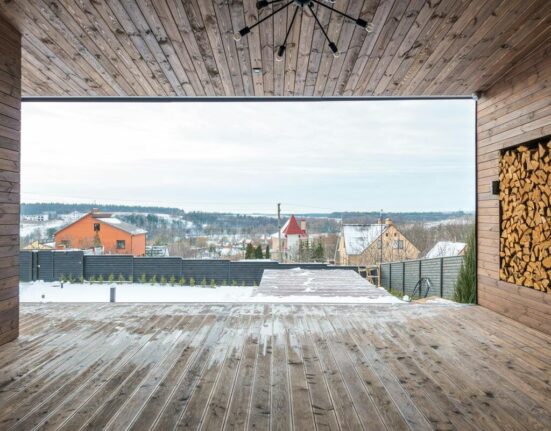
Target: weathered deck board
317, 282
278, 366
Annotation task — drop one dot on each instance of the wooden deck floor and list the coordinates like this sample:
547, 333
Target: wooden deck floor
278, 367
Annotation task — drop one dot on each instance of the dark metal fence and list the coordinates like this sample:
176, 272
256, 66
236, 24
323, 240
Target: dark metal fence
54, 265
403, 276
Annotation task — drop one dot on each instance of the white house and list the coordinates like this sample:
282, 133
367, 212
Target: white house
291, 235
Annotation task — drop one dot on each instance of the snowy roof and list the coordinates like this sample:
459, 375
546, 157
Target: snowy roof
119, 224
357, 237
445, 249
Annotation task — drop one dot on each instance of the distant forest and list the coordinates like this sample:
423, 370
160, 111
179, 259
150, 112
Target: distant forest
202, 217
59, 208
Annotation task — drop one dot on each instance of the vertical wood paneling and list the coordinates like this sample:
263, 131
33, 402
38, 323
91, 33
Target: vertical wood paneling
10, 130
513, 111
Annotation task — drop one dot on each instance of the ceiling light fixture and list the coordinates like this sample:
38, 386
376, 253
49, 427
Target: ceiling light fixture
303, 5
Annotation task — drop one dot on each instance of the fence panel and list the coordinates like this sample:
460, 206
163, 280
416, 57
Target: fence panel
68, 264
157, 266
26, 265
430, 268
94, 266
45, 265
397, 276
385, 275
403, 276
217, 270
413, 273
452, 267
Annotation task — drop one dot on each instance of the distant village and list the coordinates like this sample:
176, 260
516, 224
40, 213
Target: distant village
299, 239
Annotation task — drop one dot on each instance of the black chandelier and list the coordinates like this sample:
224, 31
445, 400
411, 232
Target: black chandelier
303, 5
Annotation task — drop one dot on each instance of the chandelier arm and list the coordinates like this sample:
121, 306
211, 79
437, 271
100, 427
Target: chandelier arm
271, 15
335, 10
290, 26
319, 23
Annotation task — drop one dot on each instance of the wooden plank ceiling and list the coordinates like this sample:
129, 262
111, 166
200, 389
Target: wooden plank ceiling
186, 48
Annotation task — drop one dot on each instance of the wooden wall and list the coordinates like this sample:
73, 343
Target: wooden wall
10, 121
516, 109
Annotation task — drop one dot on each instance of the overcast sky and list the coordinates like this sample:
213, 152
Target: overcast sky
246, 157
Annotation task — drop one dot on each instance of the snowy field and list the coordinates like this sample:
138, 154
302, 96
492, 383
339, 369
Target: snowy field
40, 291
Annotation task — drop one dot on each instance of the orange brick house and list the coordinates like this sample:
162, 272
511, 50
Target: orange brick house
97, 229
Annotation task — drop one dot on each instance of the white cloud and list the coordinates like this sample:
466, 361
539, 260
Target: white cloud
397, 155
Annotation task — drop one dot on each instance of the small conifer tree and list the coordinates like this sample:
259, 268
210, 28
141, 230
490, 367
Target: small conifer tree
172, 280
249, 251
465, 287
182, 281
192, 281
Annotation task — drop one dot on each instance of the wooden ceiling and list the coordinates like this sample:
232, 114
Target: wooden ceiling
186, 48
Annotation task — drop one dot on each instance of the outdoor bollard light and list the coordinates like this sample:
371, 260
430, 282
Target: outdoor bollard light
112, 294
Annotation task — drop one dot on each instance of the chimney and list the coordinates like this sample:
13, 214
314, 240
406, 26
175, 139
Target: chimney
303, 225
95, 210
388, 221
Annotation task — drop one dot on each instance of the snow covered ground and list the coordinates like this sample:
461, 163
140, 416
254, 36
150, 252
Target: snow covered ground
40, 291
40, 228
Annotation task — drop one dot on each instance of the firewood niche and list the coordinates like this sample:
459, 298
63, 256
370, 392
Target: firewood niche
525, 207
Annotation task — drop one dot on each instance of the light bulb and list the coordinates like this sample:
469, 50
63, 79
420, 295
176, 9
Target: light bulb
280, 53
237, 36
369, 27
334, 49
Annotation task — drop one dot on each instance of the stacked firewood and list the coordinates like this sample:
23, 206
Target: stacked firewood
525, 197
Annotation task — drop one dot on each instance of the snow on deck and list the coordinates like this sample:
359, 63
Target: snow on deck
312, 286
320, 283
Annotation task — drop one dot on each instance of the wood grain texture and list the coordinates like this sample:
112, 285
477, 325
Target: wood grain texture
175, 48
512, 112
10, 130
273, 366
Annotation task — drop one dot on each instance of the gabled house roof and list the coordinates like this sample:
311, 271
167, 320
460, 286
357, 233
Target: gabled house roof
291, 227
358, 237
107, 218
446, 249
119, 224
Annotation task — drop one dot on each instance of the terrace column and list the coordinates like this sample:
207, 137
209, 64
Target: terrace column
515, 110
10, 139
